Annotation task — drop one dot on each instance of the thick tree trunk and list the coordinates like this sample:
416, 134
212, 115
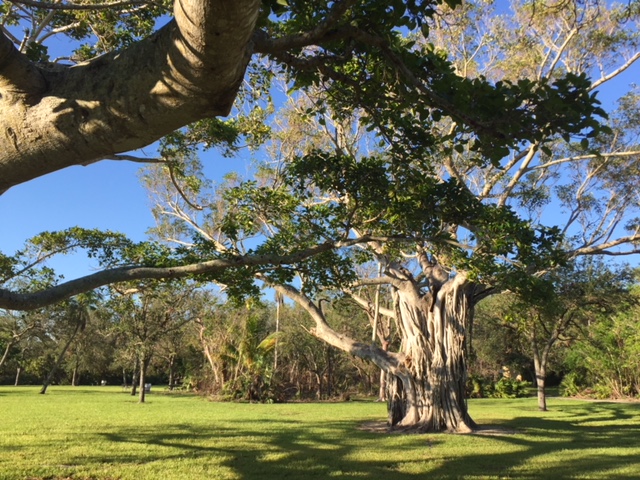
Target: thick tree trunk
427, 378
429, 393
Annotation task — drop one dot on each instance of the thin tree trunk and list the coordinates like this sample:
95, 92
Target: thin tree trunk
6, 353
171, 362
382, 390
134, 377
143, 379
17, 376
53, 371
144, 364
74, 376
540, 365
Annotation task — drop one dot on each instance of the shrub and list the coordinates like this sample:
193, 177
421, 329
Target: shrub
511, 388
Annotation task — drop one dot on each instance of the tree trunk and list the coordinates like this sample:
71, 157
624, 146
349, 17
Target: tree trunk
540, 365
144, 364
134, 377
427, 377
53, 371
383, 388
17, 376
74, 377
429, 393
172, 359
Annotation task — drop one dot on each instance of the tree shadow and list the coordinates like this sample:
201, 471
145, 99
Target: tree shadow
275, 449
593, 441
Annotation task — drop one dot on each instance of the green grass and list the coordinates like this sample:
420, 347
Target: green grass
102, 433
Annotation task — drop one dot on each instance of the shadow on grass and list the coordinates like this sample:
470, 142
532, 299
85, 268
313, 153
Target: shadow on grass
572, 441
273, 450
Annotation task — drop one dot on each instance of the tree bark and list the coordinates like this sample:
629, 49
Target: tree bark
427, 377
75, 377
144, 363
171, 362
55, 116
429, 395
540, 359
134, 377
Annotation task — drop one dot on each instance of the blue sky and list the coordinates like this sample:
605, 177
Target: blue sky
106, 195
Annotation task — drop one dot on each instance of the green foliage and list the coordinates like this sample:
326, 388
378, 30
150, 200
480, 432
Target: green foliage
510, 388
609, 356
572, 384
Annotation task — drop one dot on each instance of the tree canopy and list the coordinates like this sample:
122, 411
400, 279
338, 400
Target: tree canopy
161, 66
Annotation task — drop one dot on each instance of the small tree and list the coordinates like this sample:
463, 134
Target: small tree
577, 295
77, 313
144, 314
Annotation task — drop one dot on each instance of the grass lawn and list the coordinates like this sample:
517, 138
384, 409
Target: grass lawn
103, 433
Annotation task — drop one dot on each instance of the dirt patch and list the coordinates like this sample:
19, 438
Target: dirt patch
375, 427
383, 427
491, 431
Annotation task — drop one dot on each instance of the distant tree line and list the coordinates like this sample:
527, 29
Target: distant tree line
585, 339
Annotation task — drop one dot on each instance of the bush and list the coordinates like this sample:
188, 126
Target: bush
479, 387
571, 385
511, 388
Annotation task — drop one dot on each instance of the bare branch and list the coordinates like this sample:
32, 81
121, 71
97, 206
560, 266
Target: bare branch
75, 6
616, 72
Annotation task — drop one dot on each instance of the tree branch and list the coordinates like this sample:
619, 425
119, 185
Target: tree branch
32, 300
57, 116
75, 6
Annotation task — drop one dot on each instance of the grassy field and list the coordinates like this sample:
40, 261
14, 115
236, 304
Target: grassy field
102, 433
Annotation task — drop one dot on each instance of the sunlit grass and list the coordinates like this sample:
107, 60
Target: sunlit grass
103, 433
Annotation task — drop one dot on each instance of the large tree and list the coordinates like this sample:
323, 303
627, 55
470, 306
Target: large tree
439, 216
146, 84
